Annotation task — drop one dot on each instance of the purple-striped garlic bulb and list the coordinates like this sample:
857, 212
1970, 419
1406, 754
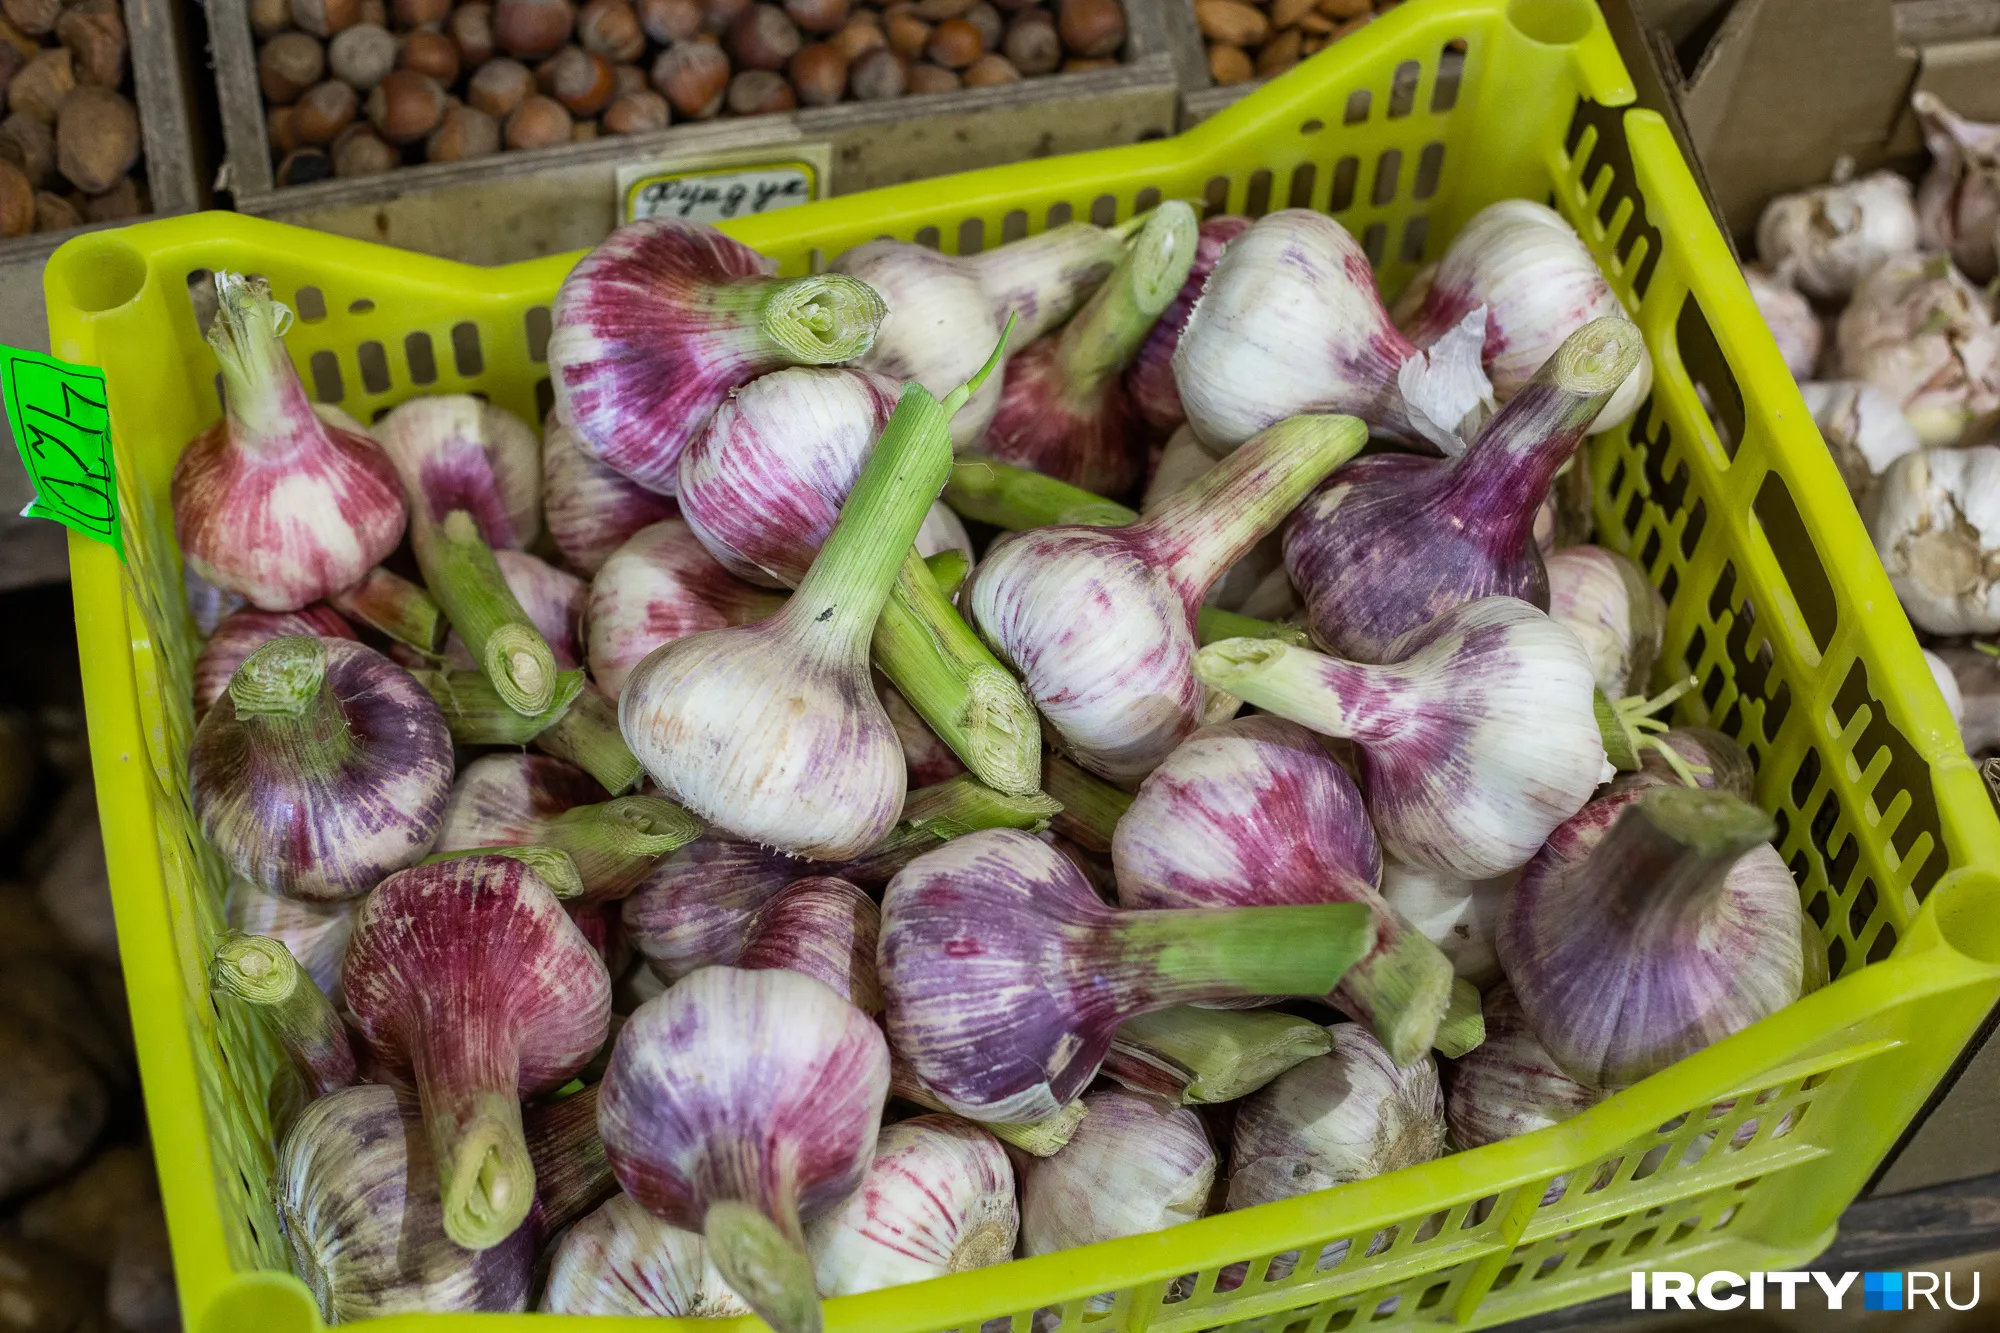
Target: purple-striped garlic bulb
1006, 976
1958, 200
591, 510
700, 905
1136, 1164
776, 1133
1149, 380
657, 325
243, 632
1100, 622
1476, 739
1795, 326
945, 310
661, 585
1714, 761
621, 1260
272, 502
1539, 284
473, 988
530, 800
824, 928
1252, 813
1351, 1114
1064, 410
322, 768
315, 933
1391, 541
1616, 614
358, 1203
1655, 923
553, 599
1459, 916
925, 755
1509, 1085
937, 1199
1290, 322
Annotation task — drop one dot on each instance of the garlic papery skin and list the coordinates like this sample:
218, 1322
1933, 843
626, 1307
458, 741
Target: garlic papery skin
1251, 813
1794, 325
824, 928
777, 1132
1539, 284
1620, 619
944, 310
1865, 431
315, 933
262, 974
1477, 740
1136, 1164
1828, 239
1937, 528
621, 1260
657, 324
243, 632
1510, 1085
938, 1199
322, 768
1100, 622
1149, 380
1063, 409
1290, 322
1006, 977
1651, 926
472, 986
357, 1196
454, 451
1921, 333
1958, 200
1351, 1114
1195, 1056
1459, 916
591, 510
661, 585
272, 503
1391, 540
1975, 678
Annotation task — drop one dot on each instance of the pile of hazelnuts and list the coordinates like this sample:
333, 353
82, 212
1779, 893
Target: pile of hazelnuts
356, 87
69, 144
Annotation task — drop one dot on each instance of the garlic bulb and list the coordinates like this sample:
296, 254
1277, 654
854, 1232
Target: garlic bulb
1290, 322
824, 928
1790, 317
1975, 678
1716, 762
553, 600
1149, 380
1958, 201
1616, 614
700, 905
1865, 431
591, 510
1350, 1114
1510, 1086
1826, 240
1460, 916
938, 1199
1478, 739
315, 933
1136, 1164
927, 758
621, 1260
1656, 922
243, 632
661, 585
1539, 284
1937, 528
1920, 332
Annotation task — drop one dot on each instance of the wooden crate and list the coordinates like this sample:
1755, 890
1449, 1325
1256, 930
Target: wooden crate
523, 204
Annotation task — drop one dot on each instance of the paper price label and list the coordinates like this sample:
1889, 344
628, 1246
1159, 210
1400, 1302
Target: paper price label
706, 190
62, 428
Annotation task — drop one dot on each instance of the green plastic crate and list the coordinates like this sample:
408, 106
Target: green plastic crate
1777, 604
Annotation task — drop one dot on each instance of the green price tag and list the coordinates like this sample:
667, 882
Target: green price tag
63, 430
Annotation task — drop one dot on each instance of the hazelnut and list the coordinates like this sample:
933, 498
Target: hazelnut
583, 131
631, 79
819, 74
97, 138
670, 21
718, 15
34, 17
42, 84
762, 37
858, 36
1031, 42
94, 31
55, 213
471, 26
360, 56
1344, 9
17, 201
323, 111
908, 35
1229, 64
429, 14
954, 44
536, 123
817, 16
532, 29
323, 18
1092, 29
692, 76
406, 106
30, 144
464, 132
987, 19
498, 86
989, 71
268, 18
121, 201
11, 60
302, 166
877, 75
610, 28
581, 80
1014, 6
937, 11
360, 151
639, 112
753, 92
289, 64
430, 53
928, 78
278, 128
373, 11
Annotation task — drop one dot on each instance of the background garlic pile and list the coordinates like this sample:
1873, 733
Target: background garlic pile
791, 826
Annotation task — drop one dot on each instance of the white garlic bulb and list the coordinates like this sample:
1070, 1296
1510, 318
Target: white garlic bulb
1865, 431
623, 1260
1794, 326
1605, 600
1457, 915
1135, 1164
1827, 239
1920, 332
1958, 202
1937, 528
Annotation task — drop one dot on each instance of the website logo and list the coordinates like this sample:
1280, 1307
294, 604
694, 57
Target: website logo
1910, 1290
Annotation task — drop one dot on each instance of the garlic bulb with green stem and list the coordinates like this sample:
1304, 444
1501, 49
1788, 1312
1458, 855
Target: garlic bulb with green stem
1477, 739
553, 600
1936, 526
322, 768
262, 974
1350, 1114
554, 866
1828, 239
824, 928
937, 1199
1923, 334
1460, 916
1712, 759
1101, 622
778, 1131
591, 510
1794, 325
1616, 614
1136, 1164
1149, 380
772, 731
622, 1260
1006, 977
661, 585
1651, 926
314, 933
658, 323
1865, 431
1958, 200
580, 725
243, 632
393, 606
1197, 1056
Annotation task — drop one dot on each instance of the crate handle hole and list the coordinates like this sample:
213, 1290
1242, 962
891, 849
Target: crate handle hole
1552, 22
100, 273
